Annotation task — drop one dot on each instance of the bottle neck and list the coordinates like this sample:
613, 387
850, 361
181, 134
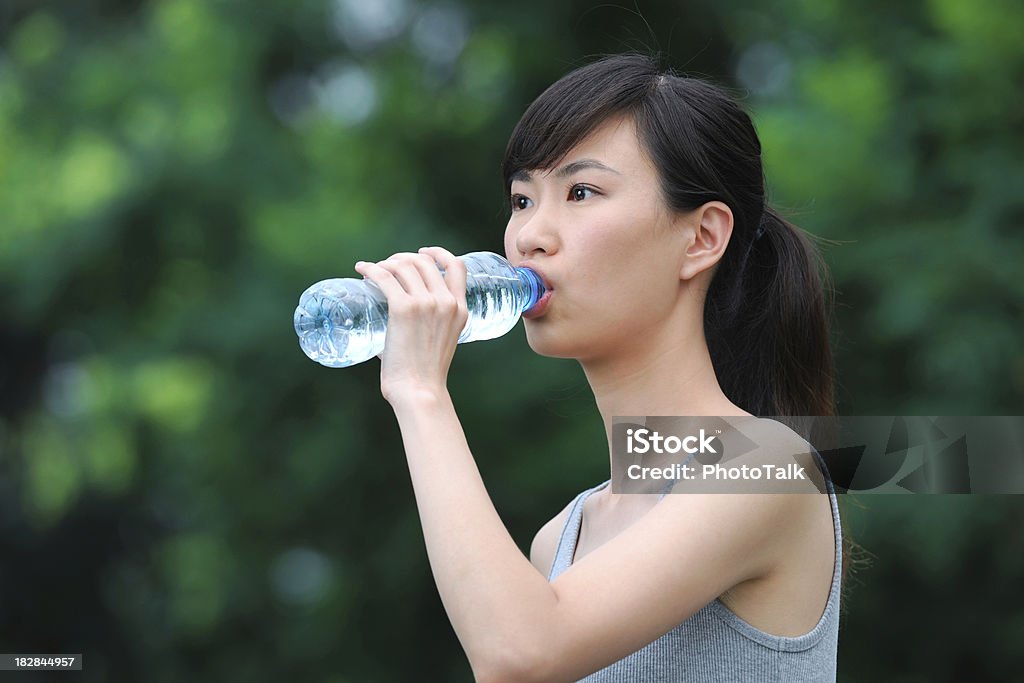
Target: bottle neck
534, 287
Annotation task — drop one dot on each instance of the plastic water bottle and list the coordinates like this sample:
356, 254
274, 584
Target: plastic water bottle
343, 321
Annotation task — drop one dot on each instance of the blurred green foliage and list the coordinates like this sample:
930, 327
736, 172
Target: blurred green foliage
186, 497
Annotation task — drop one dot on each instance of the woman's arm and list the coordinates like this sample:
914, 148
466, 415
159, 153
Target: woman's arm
489, 588
494, 597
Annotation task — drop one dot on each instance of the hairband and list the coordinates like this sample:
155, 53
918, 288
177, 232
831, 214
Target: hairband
762, 226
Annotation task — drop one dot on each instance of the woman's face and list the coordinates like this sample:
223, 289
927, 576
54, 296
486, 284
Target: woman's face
604, 240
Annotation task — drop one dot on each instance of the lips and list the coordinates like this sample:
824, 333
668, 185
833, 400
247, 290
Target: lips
540, 307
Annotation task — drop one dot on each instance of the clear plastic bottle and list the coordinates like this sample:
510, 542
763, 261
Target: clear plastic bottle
343, 321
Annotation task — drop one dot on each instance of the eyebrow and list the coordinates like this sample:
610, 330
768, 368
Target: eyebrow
567, 170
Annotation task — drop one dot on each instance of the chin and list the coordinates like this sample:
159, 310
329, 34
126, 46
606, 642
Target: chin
545, 342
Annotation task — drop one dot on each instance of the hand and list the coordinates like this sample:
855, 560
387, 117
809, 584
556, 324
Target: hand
426, 315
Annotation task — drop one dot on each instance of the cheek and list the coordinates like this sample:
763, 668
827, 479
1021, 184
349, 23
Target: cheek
609, 251
510, 242
627, 278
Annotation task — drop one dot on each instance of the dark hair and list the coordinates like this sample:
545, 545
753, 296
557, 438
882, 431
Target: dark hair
766, 310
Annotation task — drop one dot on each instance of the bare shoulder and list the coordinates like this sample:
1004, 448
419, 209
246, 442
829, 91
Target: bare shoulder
804, 538
545, 542
783, 445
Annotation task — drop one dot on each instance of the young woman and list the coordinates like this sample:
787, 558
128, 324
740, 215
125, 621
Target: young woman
638, 195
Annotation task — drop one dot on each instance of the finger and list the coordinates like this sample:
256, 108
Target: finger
406, 272
383, 278
454, 269
432, 277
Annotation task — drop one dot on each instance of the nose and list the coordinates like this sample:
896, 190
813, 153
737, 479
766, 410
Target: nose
533, 235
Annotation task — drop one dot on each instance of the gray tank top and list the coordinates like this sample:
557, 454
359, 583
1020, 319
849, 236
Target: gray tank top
715, 644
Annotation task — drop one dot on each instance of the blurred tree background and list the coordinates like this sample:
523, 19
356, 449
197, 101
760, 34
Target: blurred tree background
185, 496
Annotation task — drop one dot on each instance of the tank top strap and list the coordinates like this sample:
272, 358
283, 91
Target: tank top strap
571, 532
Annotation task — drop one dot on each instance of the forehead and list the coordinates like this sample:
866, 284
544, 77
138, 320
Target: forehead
613, 142
614, 138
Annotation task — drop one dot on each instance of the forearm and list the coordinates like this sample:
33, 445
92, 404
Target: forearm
497, 601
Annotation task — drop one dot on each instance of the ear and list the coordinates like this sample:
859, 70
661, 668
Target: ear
711, 228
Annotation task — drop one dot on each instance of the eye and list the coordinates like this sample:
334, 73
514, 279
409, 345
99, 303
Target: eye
578, 189
516, 198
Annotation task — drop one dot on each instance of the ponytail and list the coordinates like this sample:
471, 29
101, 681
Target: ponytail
766, 323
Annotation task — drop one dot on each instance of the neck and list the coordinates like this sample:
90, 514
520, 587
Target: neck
662, 374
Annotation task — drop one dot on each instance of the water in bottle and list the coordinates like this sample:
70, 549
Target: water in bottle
343, 321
